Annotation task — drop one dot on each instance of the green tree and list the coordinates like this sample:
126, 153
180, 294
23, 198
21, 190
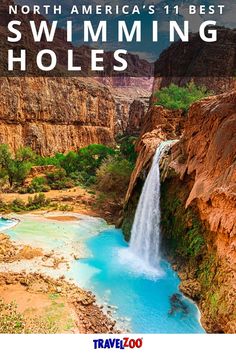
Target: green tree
16, 170
25, 154
175, 97
90, 158
69, 162
127, 148
5, 156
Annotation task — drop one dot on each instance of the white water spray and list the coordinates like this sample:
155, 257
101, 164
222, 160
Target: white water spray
145, 234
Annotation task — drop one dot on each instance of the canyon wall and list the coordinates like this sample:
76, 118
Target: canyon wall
199, 210
132, 98
204, 63
131, 106
55, 114
59, 113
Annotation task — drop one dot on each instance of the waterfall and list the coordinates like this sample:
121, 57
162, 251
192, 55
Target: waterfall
145, 234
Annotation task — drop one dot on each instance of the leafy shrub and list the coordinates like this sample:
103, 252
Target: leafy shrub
175, 97
59, 180
39, 184
194, 239
32, 189
37, 202
69, 162
66, 208
3, 206
52, 160
10, 320
82, 177
23, 190
18, 205
127, 148
90, 158
114, 175
25, 154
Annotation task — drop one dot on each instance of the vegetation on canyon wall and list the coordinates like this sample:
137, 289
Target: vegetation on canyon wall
85, 167
183, 234
186, 241
175, 97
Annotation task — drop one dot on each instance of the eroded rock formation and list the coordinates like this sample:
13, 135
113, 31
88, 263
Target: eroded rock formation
131, 95
160, 124
58, 114
55, 114
204, 63
209, 147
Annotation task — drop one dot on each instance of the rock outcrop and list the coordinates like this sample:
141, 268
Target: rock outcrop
55, 114
159, 124
137, 112
90, 317
208, 148
132, 96
204, 63
204, 164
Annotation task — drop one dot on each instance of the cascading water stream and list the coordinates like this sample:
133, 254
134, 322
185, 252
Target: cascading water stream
145, 234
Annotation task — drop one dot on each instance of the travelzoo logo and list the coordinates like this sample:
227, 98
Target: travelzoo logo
115, 343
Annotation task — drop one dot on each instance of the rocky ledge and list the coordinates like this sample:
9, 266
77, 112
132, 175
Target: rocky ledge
159, 124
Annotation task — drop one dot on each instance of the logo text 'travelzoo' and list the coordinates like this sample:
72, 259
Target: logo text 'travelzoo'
116, 343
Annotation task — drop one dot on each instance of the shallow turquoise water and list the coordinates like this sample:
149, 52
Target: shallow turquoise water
39, 231
6, 223
141, 295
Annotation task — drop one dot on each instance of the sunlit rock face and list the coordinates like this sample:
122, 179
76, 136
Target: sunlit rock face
205, 168
160, 124
59, 114
55, 114
208, 148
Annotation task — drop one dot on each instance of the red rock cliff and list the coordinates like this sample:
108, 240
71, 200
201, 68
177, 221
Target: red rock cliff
209, 147
55, 114
159, 124
205, 164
